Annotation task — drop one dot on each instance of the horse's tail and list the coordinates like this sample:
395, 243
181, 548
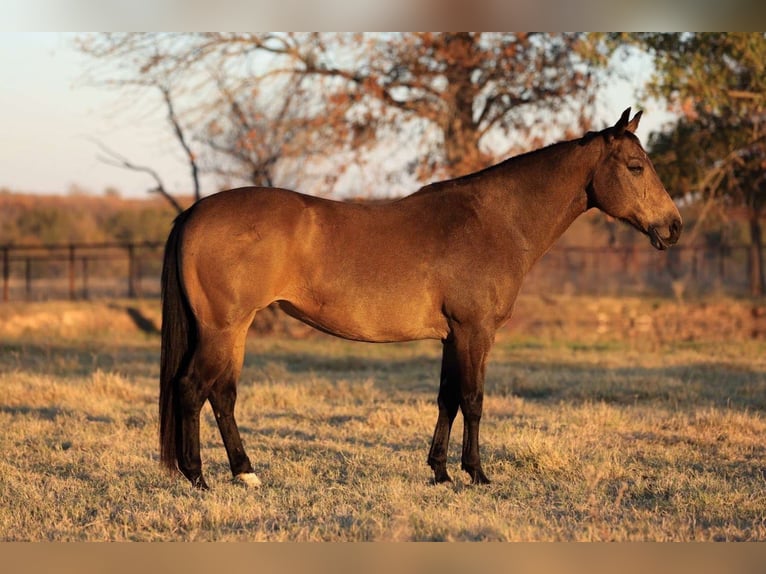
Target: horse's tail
178, 342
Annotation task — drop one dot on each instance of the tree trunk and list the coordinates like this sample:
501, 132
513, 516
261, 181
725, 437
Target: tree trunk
756, 253
461, 137
461, 148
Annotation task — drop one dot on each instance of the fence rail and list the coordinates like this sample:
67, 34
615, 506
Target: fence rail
81, 270
132, 269
641, 270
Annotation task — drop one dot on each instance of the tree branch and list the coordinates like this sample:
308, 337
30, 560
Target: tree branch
182, 140
118, 160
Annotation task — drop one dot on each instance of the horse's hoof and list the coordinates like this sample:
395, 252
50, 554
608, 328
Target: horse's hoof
441, 476
199, 483
479, 477
249, 479
476, 473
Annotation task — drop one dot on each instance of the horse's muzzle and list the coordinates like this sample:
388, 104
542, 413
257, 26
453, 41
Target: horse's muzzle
674, 233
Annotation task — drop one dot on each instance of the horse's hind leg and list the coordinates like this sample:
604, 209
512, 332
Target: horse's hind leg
223, 396
190, 400
212, 374
222, 399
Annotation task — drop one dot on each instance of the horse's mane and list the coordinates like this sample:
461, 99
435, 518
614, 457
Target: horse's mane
513, 160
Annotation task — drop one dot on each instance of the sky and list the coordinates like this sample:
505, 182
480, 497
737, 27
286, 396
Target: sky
49, 117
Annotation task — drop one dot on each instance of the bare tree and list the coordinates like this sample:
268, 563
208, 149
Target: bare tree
116, 159
179, 133
259, 100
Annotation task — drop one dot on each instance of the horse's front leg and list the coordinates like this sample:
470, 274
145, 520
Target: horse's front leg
472, 350
449, 402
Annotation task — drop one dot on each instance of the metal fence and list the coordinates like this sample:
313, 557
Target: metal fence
81, 270
108, 270
640, 270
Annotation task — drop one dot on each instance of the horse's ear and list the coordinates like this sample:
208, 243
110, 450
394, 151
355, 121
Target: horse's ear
622, 123
631, 127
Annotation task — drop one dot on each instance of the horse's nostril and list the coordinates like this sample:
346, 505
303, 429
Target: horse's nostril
675, 229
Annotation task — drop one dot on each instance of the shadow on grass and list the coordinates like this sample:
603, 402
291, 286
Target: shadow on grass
80, 359
398, 369
40, 413
679, 386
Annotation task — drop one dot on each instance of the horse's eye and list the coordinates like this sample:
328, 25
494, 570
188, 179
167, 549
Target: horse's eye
636, 168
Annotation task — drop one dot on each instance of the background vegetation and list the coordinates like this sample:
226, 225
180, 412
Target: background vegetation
81, 218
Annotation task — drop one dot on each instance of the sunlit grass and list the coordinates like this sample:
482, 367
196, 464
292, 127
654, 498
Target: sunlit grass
609, 440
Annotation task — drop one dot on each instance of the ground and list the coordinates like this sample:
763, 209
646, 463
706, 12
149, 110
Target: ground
605, 419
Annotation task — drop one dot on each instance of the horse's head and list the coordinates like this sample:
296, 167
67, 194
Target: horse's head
626, 186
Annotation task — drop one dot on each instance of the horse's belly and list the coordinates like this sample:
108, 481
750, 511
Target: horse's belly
365, 320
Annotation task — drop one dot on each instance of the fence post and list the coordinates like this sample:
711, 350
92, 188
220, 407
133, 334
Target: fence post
72, 294
28, 278
695, 257
131, 271
6, 270
85, 278
137, 276
721, 263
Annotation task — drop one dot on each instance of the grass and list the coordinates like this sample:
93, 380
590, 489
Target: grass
614, 440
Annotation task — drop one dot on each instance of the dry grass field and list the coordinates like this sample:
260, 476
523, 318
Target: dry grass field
602, 433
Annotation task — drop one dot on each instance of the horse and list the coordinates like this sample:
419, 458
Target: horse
445, 262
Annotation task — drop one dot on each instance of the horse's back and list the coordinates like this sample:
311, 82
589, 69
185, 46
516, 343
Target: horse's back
363, 271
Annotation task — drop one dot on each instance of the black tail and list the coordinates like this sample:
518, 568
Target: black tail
178, 342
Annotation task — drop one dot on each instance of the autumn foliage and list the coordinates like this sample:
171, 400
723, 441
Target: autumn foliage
52, 219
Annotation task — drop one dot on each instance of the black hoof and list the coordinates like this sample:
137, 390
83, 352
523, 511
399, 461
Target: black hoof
477, 476
441, 476
199, 483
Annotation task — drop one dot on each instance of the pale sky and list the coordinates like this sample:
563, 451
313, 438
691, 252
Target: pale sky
48, 115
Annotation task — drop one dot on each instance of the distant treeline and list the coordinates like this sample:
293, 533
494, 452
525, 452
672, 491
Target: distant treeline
32, 219
84, 218
46, 219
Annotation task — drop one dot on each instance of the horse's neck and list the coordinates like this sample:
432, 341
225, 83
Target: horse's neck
544, 192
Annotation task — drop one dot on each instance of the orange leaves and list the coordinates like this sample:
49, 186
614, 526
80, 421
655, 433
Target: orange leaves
338, 99
689, 108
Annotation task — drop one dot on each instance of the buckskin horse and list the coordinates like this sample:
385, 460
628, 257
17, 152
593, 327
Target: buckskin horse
443, 263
